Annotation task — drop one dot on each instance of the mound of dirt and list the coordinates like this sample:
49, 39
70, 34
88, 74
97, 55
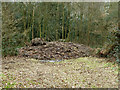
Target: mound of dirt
42, 50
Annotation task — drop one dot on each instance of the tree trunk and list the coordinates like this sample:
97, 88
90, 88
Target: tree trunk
33, 25
63, 23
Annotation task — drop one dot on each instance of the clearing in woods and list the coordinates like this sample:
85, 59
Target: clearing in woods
84, 72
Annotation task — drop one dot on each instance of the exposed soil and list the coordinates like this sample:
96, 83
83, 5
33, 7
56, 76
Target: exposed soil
87, 72
42, 50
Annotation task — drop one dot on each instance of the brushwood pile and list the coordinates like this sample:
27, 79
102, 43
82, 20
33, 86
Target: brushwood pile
43, 50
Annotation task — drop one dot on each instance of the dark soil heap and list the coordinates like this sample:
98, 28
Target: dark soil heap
39, 49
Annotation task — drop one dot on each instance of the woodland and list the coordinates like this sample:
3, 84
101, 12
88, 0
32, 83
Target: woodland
77, 36
91, 24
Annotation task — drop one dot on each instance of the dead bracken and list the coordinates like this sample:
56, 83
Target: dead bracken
42, 50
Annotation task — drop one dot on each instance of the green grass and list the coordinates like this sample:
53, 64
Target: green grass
90, 62
6, 81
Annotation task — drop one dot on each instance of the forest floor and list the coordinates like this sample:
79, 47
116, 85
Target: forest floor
84, 72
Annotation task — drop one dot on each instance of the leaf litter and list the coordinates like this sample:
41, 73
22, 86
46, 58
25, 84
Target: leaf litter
73, 73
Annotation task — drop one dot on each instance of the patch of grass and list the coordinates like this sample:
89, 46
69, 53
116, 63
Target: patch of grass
7, 81
2, 75
93, 87
10, 85
89, 62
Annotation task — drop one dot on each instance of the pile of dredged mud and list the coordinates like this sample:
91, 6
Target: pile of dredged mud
42, 50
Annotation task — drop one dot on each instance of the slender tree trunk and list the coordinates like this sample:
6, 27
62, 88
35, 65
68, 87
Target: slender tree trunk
40, 29
76, 29
33, 25
69, 24
81, 24
80, 29
63, 23
69, 33
44, 23
57, 21
24, 20
43, 28
88, 30
66, 25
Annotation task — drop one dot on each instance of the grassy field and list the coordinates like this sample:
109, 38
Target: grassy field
87, 72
